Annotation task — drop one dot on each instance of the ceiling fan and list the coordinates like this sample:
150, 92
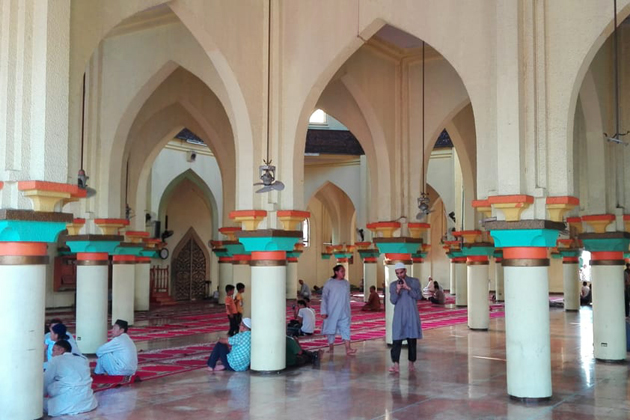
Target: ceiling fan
82, 177
424, 203
267, 172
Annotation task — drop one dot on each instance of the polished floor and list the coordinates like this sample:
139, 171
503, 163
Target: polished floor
460, 375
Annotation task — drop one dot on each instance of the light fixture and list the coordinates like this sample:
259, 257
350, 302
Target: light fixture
424, 203
615, 138
267, 172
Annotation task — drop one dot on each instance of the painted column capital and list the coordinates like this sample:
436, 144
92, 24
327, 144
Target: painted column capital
626, 222
606, 248
128, 249
558, 206
598, 222
269, 240
75, 226
234, 247
219, 250
292, 219
526, 233
241, 259
399, 245
294, 255
32, 226
93, 243
249, 219
229, 232
45, 195
469, 236
124, 259
511, 205
416, 230
483, 206
368, 254
478, 249
111, 226
363, 245
575, 225
136, 236
383, 229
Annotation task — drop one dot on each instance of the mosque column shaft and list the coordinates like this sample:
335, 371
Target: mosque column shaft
292, 278
123, 288
499, 292
242, 273
477, 291
461, 281
23, 278
369, 277
92, 291
226, 275
142, 284
453, 278
571, 283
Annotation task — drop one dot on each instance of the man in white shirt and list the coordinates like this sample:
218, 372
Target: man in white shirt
68, 383
585, 294
119, 356
50, 339
306, 318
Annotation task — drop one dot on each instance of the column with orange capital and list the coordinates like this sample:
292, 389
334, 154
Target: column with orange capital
124, 276
607, 286
525, 262
225, 268
369, 256
93, 253
24, 235
477, 275
292, 221
268, 249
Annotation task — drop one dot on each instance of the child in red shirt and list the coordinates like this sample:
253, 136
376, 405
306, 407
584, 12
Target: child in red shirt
231, 311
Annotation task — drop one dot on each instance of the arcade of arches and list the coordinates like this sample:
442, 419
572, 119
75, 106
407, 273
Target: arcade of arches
497, 110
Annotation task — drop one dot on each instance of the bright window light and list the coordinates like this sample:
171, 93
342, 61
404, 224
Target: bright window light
318, 117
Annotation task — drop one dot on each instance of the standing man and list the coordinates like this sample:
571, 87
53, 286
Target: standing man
335, 309
305, 291
404, 294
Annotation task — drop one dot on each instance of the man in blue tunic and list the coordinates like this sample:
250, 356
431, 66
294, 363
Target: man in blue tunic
335, 309
404, 295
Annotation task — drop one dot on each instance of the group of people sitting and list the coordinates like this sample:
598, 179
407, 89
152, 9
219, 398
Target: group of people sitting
67, 375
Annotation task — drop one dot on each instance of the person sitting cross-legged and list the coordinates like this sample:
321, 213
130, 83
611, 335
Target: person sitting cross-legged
438, 297
374, 301
68, 383
119, 356
297, 356
233, 352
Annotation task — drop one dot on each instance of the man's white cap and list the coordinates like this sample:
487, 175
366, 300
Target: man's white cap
247, 322
400, 266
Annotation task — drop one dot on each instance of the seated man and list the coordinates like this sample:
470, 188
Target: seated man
305, 291
428, 291
305, 316
585, 294
119, 356
438, 297
50, 338
296, 356
374, 301
68, 383
233, 352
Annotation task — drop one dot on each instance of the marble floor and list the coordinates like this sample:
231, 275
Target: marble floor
460, 375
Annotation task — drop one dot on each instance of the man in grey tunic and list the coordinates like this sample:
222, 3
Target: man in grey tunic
404, 295
335, 309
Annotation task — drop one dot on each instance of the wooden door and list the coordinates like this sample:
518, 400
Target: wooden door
189, 268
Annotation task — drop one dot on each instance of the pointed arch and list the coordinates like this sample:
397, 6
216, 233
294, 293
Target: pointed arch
340, 208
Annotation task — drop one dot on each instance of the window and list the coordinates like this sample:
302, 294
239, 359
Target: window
318, 117
306, 233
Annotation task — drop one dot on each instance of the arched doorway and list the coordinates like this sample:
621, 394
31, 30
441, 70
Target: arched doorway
189, 270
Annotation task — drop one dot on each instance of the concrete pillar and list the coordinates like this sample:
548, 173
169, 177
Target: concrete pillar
461, 279
123, 288
225, 276
477, 291
242, 273
416, 271
609, 322
92, 278
268, 311
292, 278
453, 278
23, 279
499, 279
571, 285
142, 284
527, 347
369, 276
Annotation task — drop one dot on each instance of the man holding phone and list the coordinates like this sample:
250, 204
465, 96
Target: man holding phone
404, 294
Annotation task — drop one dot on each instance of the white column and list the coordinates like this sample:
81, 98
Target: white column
477, 288
417, 272
242, 273
369, 277
292, 278
453, 278
268, 311
92, 277
461, 285
142, 284
23, 280
571, 280
225, 276
390, 277
527, 341
498, 275
609, 322
123, 288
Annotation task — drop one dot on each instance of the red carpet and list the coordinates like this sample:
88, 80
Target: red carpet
160, 363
